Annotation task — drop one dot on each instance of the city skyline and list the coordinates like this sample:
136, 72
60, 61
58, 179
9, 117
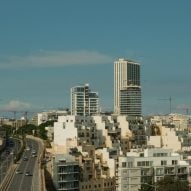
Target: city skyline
47, 48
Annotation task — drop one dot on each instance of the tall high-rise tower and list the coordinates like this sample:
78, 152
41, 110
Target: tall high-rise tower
83, 101
127, 88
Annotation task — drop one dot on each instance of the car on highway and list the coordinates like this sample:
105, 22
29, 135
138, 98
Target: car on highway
18, 172
28, 149
33, 151
25, 158
34, 155
27, 173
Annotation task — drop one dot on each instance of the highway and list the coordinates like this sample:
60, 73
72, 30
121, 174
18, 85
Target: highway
7, 156
26, 176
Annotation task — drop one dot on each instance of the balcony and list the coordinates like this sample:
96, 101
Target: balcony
65, 172
169, 171
69, 188
182, 170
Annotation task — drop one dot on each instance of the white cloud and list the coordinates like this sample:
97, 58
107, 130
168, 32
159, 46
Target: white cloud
55, 58
15, 105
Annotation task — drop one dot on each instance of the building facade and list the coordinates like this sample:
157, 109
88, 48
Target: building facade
149, 166
65, 173
127, 88
83, 101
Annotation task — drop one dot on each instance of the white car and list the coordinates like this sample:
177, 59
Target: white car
27, 173
33, 151
18, 172
28, 149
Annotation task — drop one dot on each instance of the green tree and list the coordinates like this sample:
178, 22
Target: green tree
41, 131
172, 184
7, 129
26, 129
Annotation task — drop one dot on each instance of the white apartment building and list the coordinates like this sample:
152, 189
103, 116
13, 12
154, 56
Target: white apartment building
170, 131
127, 88
167, 139
100, 131
82, 129
177, 121
65, 134
45, 116
83, 101
85, 135
148, 166
65, 172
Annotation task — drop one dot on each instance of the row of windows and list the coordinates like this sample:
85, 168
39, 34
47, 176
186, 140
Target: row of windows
127, 164
161, 171
62, 169
68, 185
145, 163
97, 185
164, 162
160, 154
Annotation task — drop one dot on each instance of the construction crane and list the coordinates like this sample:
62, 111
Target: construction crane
170, 102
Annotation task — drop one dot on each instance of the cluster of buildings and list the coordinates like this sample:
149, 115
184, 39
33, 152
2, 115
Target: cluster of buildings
117, 153
122, 151
127, 92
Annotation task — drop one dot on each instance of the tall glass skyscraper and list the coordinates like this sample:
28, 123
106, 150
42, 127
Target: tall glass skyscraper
127, 88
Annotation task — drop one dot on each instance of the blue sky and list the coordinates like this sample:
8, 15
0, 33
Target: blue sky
46, 47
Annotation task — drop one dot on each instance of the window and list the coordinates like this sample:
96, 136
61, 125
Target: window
163, 162
174, 162
130, 164
138, 163
124, 172
159, 178
160, 154
144, 163
123, 164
